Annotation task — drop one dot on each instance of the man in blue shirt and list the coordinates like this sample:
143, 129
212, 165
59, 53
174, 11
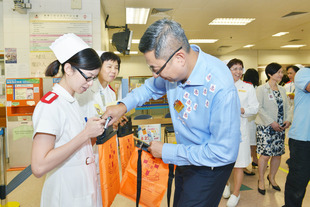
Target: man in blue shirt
299, 142
204, 108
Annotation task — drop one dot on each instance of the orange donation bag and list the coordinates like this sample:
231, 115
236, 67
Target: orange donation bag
109, 169
126, 148
154, 179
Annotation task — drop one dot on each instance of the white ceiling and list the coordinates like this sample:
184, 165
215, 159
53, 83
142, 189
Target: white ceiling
195, 15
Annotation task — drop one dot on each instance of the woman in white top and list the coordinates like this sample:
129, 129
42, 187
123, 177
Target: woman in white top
101, 93
61, 142
249, 107
272, 119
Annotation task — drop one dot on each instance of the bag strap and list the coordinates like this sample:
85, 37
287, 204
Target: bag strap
139, 177
170, 179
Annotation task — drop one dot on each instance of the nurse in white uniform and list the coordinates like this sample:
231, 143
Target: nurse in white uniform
101, 94
249, 107
61, 142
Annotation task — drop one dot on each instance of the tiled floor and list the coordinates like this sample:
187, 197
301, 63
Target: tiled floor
28, 193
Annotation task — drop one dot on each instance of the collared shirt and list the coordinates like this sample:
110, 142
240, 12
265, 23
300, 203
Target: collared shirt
61, 114
207, 129
109, 95
300, 129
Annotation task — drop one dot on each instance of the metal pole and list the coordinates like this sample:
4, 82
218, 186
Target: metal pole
2, 169
3, 198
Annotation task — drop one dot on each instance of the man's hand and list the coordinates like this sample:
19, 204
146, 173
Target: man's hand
115, 112
122, 121
156, 148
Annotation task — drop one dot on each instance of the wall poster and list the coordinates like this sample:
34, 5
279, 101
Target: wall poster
45, 28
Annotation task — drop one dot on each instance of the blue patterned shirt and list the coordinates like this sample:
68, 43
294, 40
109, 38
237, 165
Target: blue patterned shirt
207, 129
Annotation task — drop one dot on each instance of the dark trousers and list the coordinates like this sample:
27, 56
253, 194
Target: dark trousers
200, 186
299, 173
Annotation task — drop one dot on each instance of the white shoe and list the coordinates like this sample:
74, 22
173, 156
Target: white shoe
226, 192
233, 201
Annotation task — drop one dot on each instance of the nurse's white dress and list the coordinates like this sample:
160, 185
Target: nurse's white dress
96, 95
74, 182
250, 104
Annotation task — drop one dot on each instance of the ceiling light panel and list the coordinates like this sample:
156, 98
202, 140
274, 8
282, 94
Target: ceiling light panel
191, 41
137, 15
247, 46
231, 21
292, 46
280, 34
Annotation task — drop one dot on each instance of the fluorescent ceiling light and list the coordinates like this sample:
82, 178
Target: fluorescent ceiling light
247, 46
280, 34
137, 15
292, 46
231, 21
135, 41
202, 40
130, 52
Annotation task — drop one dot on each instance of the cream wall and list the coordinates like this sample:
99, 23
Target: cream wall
16, 25
1, 27
133, 66
255, 58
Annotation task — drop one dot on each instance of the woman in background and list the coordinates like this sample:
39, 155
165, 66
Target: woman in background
101, 93
61, 141
251, 76
249, 107
272, 119
290, 86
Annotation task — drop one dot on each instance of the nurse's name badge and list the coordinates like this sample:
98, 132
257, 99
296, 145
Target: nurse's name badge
178, 106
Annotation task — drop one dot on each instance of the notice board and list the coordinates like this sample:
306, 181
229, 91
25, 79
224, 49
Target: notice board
45, 28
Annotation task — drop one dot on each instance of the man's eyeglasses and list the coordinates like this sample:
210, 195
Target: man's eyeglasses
88, 79
163, 67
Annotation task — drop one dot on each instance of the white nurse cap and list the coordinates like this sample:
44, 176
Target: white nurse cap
66, 46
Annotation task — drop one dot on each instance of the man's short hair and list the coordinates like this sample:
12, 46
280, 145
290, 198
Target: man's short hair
164, 37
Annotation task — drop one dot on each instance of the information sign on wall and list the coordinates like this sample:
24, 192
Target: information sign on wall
45, 28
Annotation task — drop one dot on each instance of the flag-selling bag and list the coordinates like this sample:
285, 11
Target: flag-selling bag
126, 148
108, 166
147, 189
126, 143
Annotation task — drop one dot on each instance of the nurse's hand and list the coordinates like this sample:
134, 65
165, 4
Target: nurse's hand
115, 112
156, 148
94, 127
